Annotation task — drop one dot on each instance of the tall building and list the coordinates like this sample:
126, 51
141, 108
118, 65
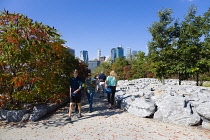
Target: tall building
128, 53
92, 64
72, 51
119, 52
116, 53
99, 53
84, 56
113, 54
134, 52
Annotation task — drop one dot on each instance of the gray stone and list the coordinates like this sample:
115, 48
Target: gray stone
175, 109
206, 125
38, 112
25, 117
203, 110
142, 107
3, 114
126, 102
15, 115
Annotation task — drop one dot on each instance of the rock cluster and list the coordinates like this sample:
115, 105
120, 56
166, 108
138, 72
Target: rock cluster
38, 112
184, 104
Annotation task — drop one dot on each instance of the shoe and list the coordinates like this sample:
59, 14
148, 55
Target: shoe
68, 119
79, 116
110, 107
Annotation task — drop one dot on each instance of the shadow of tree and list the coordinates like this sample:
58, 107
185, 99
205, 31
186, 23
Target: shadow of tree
58, 117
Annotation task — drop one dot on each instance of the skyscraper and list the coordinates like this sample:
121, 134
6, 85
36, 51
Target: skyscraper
72, 51
113, 54
116, 53
99, 53
128, 53
119, 52
84, 56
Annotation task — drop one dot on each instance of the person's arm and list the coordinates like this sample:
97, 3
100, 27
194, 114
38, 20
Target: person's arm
106, 81
80, 87
93, 83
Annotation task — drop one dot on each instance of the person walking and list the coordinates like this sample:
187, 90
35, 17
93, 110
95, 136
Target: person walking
75, 94
102, 78
111, 82
89, 90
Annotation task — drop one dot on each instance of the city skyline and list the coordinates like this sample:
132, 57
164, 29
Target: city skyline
92, 24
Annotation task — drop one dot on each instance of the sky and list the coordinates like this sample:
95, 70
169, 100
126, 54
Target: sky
102, 24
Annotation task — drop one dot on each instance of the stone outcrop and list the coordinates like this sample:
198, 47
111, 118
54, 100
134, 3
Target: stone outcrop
184, 104
38, 112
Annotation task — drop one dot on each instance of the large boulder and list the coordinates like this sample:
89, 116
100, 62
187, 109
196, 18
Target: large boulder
175, 109
203, 109
142, 107
15, 115
38, 112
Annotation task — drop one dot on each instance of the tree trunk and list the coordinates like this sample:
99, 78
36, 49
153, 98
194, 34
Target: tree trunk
163, 80
197, 79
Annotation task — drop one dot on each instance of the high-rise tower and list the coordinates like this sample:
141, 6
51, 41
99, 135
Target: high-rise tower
99, 54
84, 56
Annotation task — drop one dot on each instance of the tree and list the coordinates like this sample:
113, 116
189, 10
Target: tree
35, 67
160, 46
118, 67
140, 66
193, 53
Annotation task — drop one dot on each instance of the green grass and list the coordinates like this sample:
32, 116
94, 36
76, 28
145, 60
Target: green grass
206, 84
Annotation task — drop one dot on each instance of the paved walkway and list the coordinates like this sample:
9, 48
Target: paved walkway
102, 123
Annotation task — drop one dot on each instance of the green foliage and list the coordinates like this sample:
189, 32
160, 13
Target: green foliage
179, 48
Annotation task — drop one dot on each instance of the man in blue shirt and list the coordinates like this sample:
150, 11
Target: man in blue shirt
75, 94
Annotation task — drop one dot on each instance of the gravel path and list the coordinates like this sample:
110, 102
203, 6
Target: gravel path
102, 123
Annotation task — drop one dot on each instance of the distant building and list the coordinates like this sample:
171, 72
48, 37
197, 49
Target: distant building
84, 56
134, 52
113, 54
116, 53
102, 59
99, 53
72, 51
128, 53
119, 52
92, 64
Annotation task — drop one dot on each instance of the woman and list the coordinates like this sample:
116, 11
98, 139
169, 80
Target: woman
111, 82
75, 94
90, 85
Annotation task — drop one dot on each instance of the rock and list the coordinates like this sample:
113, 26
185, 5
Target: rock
203, 110
175, 109
142, 107
126, 102
15, 115
3, 114
206, 125
25, 117
38, 112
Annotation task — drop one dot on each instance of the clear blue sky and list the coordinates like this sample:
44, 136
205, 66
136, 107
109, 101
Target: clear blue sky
105, 24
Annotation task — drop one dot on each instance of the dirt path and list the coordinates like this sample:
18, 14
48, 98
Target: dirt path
102, 123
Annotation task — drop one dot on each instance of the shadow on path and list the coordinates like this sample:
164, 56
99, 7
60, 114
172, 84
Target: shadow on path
58, 117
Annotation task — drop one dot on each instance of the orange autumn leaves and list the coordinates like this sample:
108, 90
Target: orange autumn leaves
34, 67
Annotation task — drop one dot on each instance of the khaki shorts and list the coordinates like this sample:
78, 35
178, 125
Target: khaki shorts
102, 84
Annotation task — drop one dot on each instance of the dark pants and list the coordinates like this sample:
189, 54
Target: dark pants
110, 96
